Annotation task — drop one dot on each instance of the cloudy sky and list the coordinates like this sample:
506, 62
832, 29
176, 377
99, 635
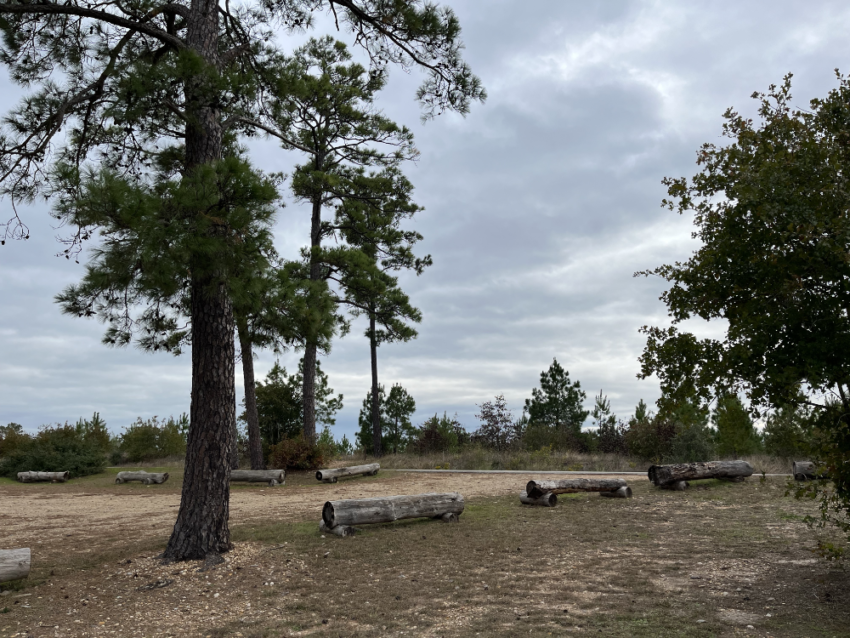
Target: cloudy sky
540, 205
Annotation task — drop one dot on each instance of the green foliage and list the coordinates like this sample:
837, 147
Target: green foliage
399, 431
11, 437
280, 408
94, 431
363, 436
555, 411
298, 454
788, 432
334, 448
736, 435
678, 434
498, 428
55, 449
609, 434
146, 440
440, 434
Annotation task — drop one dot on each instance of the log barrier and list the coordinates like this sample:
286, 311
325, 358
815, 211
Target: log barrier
664, 475
34, 477
14, 564
148, 478
271, 477
806, 471
446, 507
331, 476
536, 489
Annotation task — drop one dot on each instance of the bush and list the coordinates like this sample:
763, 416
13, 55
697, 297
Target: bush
440, 435
55, 449
297, 454
11, 437
148, 440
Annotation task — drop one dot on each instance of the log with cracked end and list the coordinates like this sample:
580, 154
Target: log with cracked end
148, 478
332, 475
806, 471
545, 500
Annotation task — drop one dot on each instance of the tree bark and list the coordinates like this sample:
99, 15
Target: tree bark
535, 489
331, 476
544, 500
392, 508
201, 530
14, 564
35, 477
272, 477
308, 390
148, 478
667, 474
377, 447
252, 417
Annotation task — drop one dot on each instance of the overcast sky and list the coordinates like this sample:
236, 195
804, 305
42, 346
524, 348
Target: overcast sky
539, 207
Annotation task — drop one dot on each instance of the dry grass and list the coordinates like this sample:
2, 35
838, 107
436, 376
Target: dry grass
728, 554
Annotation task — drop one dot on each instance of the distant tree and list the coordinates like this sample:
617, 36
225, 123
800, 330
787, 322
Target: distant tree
498, 428
788, 432
11, 436
363, 437
609, 433
440, 434
556, 405
399, 407
94, 431
735, 433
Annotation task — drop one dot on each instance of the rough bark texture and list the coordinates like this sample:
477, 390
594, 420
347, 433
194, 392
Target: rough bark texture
201, 530
339, 530
148, 478
544, 500
806, 471
35, 477
308, 389
391, 508
331, 476
252, 417
377, 447
272, 477
535, 489
666, 474
14, 564
623, 492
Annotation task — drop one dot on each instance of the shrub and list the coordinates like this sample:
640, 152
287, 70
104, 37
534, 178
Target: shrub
55, 449
440, 434
498, 429
297, 454
148, 440
11, 437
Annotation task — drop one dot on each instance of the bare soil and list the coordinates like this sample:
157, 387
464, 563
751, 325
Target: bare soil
721, 559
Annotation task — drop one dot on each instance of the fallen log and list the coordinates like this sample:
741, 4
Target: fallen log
623, 492
339, 530
392, 508
545, 500
148, 478
667, 474
331, 476
272, 477
34, 477
806, 471
535, 489
14, 564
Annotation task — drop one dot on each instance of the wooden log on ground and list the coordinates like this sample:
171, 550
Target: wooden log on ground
34, 477
806, 471
271, 477
339, 530
666, 474
14, 564
331, 476
535, 489
391, 508
546, 500
623, 492
148, 478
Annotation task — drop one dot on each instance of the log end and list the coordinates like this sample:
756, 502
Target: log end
546, 500
330, 480
449, 517
343, 531
623, 492
328, 515
118, 480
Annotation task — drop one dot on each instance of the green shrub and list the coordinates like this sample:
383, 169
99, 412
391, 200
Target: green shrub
297, 454
11, 437
440, 435
151, 439
55, 449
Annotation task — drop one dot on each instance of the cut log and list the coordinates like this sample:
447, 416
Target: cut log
339, 530
623, 492
678, 486
535, 489
331, 476
391, 508
14, 564
666, 474
806, 471
546, 500
148, 478
271, 477
34, 477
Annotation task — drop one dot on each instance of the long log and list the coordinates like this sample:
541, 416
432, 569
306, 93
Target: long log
34, 477
148, 478
666, 474
535, 489
546, 500
391, 508
14, 564
806, 471
272, 477
623, 492
331, 476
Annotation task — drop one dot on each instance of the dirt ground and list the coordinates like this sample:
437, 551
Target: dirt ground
720, 559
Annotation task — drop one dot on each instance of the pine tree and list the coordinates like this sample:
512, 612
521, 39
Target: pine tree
736, 435
556, 405
399, 407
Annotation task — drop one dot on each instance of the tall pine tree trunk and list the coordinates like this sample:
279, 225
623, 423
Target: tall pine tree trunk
201, 530
376, 414
308, 390
255, 445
